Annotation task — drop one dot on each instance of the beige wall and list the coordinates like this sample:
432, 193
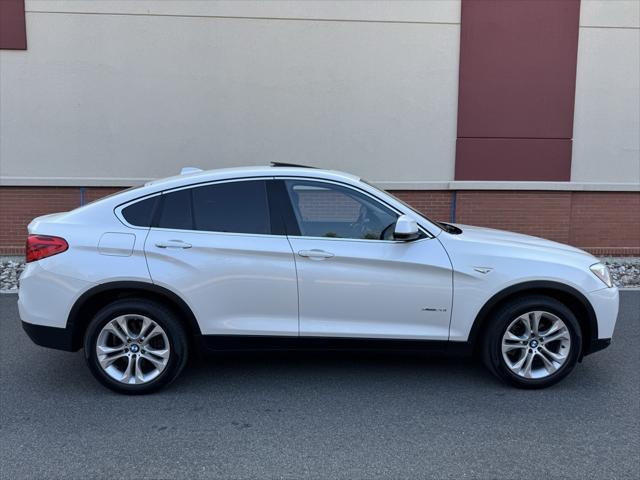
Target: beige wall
606, 145
114, 92
102, 98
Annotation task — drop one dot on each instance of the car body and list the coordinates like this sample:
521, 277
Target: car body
292, 257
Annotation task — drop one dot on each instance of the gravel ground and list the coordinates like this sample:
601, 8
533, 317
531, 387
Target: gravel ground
10, 270
625, 272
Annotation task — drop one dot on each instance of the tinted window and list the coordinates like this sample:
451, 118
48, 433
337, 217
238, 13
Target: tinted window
329, 210
140, 213
239, 207
176, 210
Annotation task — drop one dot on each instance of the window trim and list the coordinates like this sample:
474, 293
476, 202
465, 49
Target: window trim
427, 234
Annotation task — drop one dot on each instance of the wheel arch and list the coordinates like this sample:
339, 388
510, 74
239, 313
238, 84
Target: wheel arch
572, 298
91, 301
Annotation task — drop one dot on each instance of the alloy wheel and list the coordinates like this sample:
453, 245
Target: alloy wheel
132, 349
536, 344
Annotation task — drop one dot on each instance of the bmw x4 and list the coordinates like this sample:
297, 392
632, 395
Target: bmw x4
285, 257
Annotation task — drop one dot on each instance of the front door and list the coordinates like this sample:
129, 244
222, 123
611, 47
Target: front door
354, 279
215, 245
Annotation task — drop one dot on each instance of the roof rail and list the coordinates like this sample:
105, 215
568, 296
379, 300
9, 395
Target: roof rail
283, 164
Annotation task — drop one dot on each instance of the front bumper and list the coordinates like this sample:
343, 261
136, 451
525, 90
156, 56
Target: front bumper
598, 344
605, 303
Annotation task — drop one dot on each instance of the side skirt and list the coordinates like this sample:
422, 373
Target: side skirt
230, 343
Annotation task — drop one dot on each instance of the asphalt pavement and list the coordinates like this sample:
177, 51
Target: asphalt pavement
320, 416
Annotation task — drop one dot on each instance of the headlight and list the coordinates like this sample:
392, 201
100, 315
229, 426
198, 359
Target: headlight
602, 272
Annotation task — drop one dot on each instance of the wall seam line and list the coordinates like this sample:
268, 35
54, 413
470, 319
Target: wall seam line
234, 17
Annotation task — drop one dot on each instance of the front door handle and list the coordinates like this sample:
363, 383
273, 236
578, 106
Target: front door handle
315, 254
173, 244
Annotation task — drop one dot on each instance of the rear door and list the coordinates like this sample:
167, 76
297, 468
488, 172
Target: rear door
220, 248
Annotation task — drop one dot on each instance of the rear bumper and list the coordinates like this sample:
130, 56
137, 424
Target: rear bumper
52, 337
45, 298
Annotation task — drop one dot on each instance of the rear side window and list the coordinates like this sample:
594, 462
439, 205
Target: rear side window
234, 207
140, 213
239, 207
176, 211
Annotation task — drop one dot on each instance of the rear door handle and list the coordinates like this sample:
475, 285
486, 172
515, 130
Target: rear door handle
315, 254
173, 244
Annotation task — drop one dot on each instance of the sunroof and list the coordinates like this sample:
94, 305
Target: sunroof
282, 164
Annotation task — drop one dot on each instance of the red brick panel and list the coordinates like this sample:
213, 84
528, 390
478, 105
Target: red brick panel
13, 35
541, 159
517, 83
518, 68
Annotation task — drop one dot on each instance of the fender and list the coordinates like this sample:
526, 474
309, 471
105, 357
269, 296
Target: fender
587, 319
75, 319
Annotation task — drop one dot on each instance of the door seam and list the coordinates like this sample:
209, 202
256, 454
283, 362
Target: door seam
295, 264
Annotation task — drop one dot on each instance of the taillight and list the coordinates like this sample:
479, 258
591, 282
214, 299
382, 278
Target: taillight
43, 246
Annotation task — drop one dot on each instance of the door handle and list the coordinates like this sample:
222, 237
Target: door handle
315, 254
173, 244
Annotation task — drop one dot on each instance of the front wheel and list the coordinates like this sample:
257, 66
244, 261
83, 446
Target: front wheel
135, 346
532, 342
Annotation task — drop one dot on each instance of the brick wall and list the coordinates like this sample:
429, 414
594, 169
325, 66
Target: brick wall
19, 205
542, 214
434, 204
605, 223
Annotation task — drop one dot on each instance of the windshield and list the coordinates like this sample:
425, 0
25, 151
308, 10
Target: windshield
445, 226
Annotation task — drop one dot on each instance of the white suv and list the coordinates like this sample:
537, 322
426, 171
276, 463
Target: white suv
287, 257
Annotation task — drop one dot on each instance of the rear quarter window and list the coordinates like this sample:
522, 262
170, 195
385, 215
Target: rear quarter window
140, 214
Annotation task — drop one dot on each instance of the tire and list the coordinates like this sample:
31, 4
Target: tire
144, 371
503, 351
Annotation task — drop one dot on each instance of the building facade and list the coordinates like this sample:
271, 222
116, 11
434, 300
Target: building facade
515, 114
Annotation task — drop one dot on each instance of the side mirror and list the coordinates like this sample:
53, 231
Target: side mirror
406, 229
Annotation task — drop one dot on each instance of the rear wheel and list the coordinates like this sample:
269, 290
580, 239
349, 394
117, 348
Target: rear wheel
532, 342
135, 346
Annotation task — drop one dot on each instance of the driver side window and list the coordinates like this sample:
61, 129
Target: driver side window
330, 210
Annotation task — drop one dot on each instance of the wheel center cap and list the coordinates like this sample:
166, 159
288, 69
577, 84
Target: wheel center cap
533, 344
134, 348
